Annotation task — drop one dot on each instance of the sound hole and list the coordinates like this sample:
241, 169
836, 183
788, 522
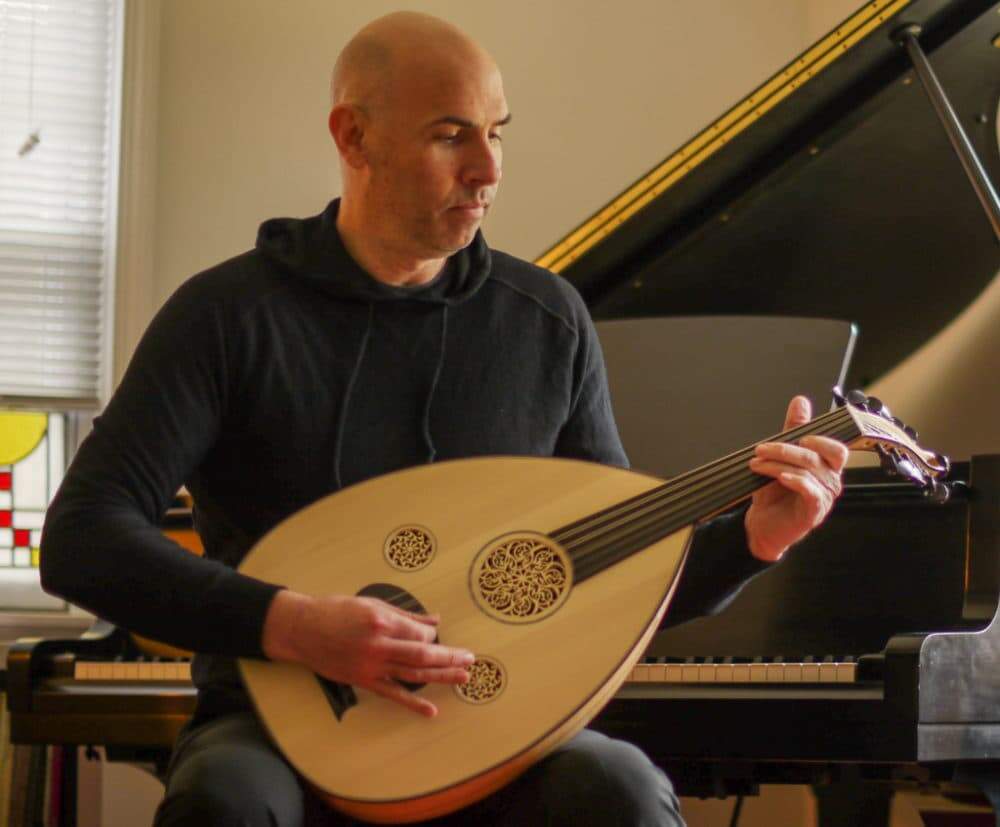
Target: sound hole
341, 696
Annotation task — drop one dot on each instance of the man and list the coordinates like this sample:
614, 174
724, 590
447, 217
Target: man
381, 334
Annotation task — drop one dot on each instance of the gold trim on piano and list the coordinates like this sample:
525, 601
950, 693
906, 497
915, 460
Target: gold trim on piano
707, 142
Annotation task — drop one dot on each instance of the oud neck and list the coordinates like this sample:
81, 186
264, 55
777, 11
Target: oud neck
600, 540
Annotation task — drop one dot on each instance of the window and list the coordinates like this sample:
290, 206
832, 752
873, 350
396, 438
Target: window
32, 457
60, 82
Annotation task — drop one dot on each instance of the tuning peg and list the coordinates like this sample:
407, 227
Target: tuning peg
857, 398
877, 406
937, 492
838, 395
944, 462
910, 432
887, 461
906, 429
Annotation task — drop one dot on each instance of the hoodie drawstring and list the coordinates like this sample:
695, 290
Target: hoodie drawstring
431, 450
347, 394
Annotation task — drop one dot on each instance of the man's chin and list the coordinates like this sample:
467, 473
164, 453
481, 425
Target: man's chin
457, 241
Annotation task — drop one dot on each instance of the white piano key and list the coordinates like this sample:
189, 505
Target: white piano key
847, 672
828, 673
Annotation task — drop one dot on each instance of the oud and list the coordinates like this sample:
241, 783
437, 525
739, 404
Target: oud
555, 572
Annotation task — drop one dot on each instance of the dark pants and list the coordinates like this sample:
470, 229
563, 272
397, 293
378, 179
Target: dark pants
225, 772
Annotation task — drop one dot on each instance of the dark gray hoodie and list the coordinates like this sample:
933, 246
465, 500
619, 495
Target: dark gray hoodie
288, 372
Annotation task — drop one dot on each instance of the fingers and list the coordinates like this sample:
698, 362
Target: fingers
799, 412
390, 688
404, 625
810, 469
413, 674
817, 453
427, 620
816, 499
400, 694
834, 453
410, 653
827, 479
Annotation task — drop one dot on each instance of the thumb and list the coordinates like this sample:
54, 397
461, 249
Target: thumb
799, 412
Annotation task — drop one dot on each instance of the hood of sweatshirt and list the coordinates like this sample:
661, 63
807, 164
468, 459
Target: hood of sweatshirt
312, 249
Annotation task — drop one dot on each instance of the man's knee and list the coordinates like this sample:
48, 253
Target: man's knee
231, 777
611, 782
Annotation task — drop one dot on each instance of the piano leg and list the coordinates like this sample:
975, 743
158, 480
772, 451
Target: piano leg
67, 786
850, 802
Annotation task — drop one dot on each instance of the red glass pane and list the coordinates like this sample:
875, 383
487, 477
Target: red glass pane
22, 537
4, 519
5, 481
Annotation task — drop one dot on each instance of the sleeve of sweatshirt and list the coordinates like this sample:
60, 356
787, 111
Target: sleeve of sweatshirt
719, 562
102, 548
590, 432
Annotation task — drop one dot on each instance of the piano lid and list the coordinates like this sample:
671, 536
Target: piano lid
830, 191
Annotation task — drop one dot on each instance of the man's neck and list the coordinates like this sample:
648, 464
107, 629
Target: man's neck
378, 260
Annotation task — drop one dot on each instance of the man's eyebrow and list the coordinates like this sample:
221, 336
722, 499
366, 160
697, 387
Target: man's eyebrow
466, 124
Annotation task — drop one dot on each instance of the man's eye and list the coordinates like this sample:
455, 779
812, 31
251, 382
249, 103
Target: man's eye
496, 137
449, 137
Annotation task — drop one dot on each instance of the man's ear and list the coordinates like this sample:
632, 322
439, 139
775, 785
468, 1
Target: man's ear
347, 126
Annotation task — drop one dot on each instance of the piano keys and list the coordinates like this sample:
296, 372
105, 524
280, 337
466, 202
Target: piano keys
653, 671
657, 672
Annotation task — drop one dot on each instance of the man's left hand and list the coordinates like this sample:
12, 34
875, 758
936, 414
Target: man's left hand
807, 482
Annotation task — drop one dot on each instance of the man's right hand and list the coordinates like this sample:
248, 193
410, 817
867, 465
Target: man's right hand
364, 642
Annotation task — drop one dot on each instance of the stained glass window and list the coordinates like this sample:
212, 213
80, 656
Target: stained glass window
32, 457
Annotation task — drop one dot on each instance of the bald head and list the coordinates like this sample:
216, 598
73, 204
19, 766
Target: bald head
370, 66
418, 108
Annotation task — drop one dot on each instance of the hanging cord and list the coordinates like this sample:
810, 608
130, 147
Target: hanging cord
428, 440
35, 138
339, 439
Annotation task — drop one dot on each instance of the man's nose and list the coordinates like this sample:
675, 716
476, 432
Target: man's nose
483, 167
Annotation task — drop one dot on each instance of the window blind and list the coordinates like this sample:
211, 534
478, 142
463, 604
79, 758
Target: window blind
58, 72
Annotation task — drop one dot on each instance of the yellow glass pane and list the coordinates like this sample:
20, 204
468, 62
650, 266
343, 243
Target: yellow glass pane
20, 434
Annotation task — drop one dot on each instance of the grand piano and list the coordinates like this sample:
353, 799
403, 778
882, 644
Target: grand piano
831, 191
